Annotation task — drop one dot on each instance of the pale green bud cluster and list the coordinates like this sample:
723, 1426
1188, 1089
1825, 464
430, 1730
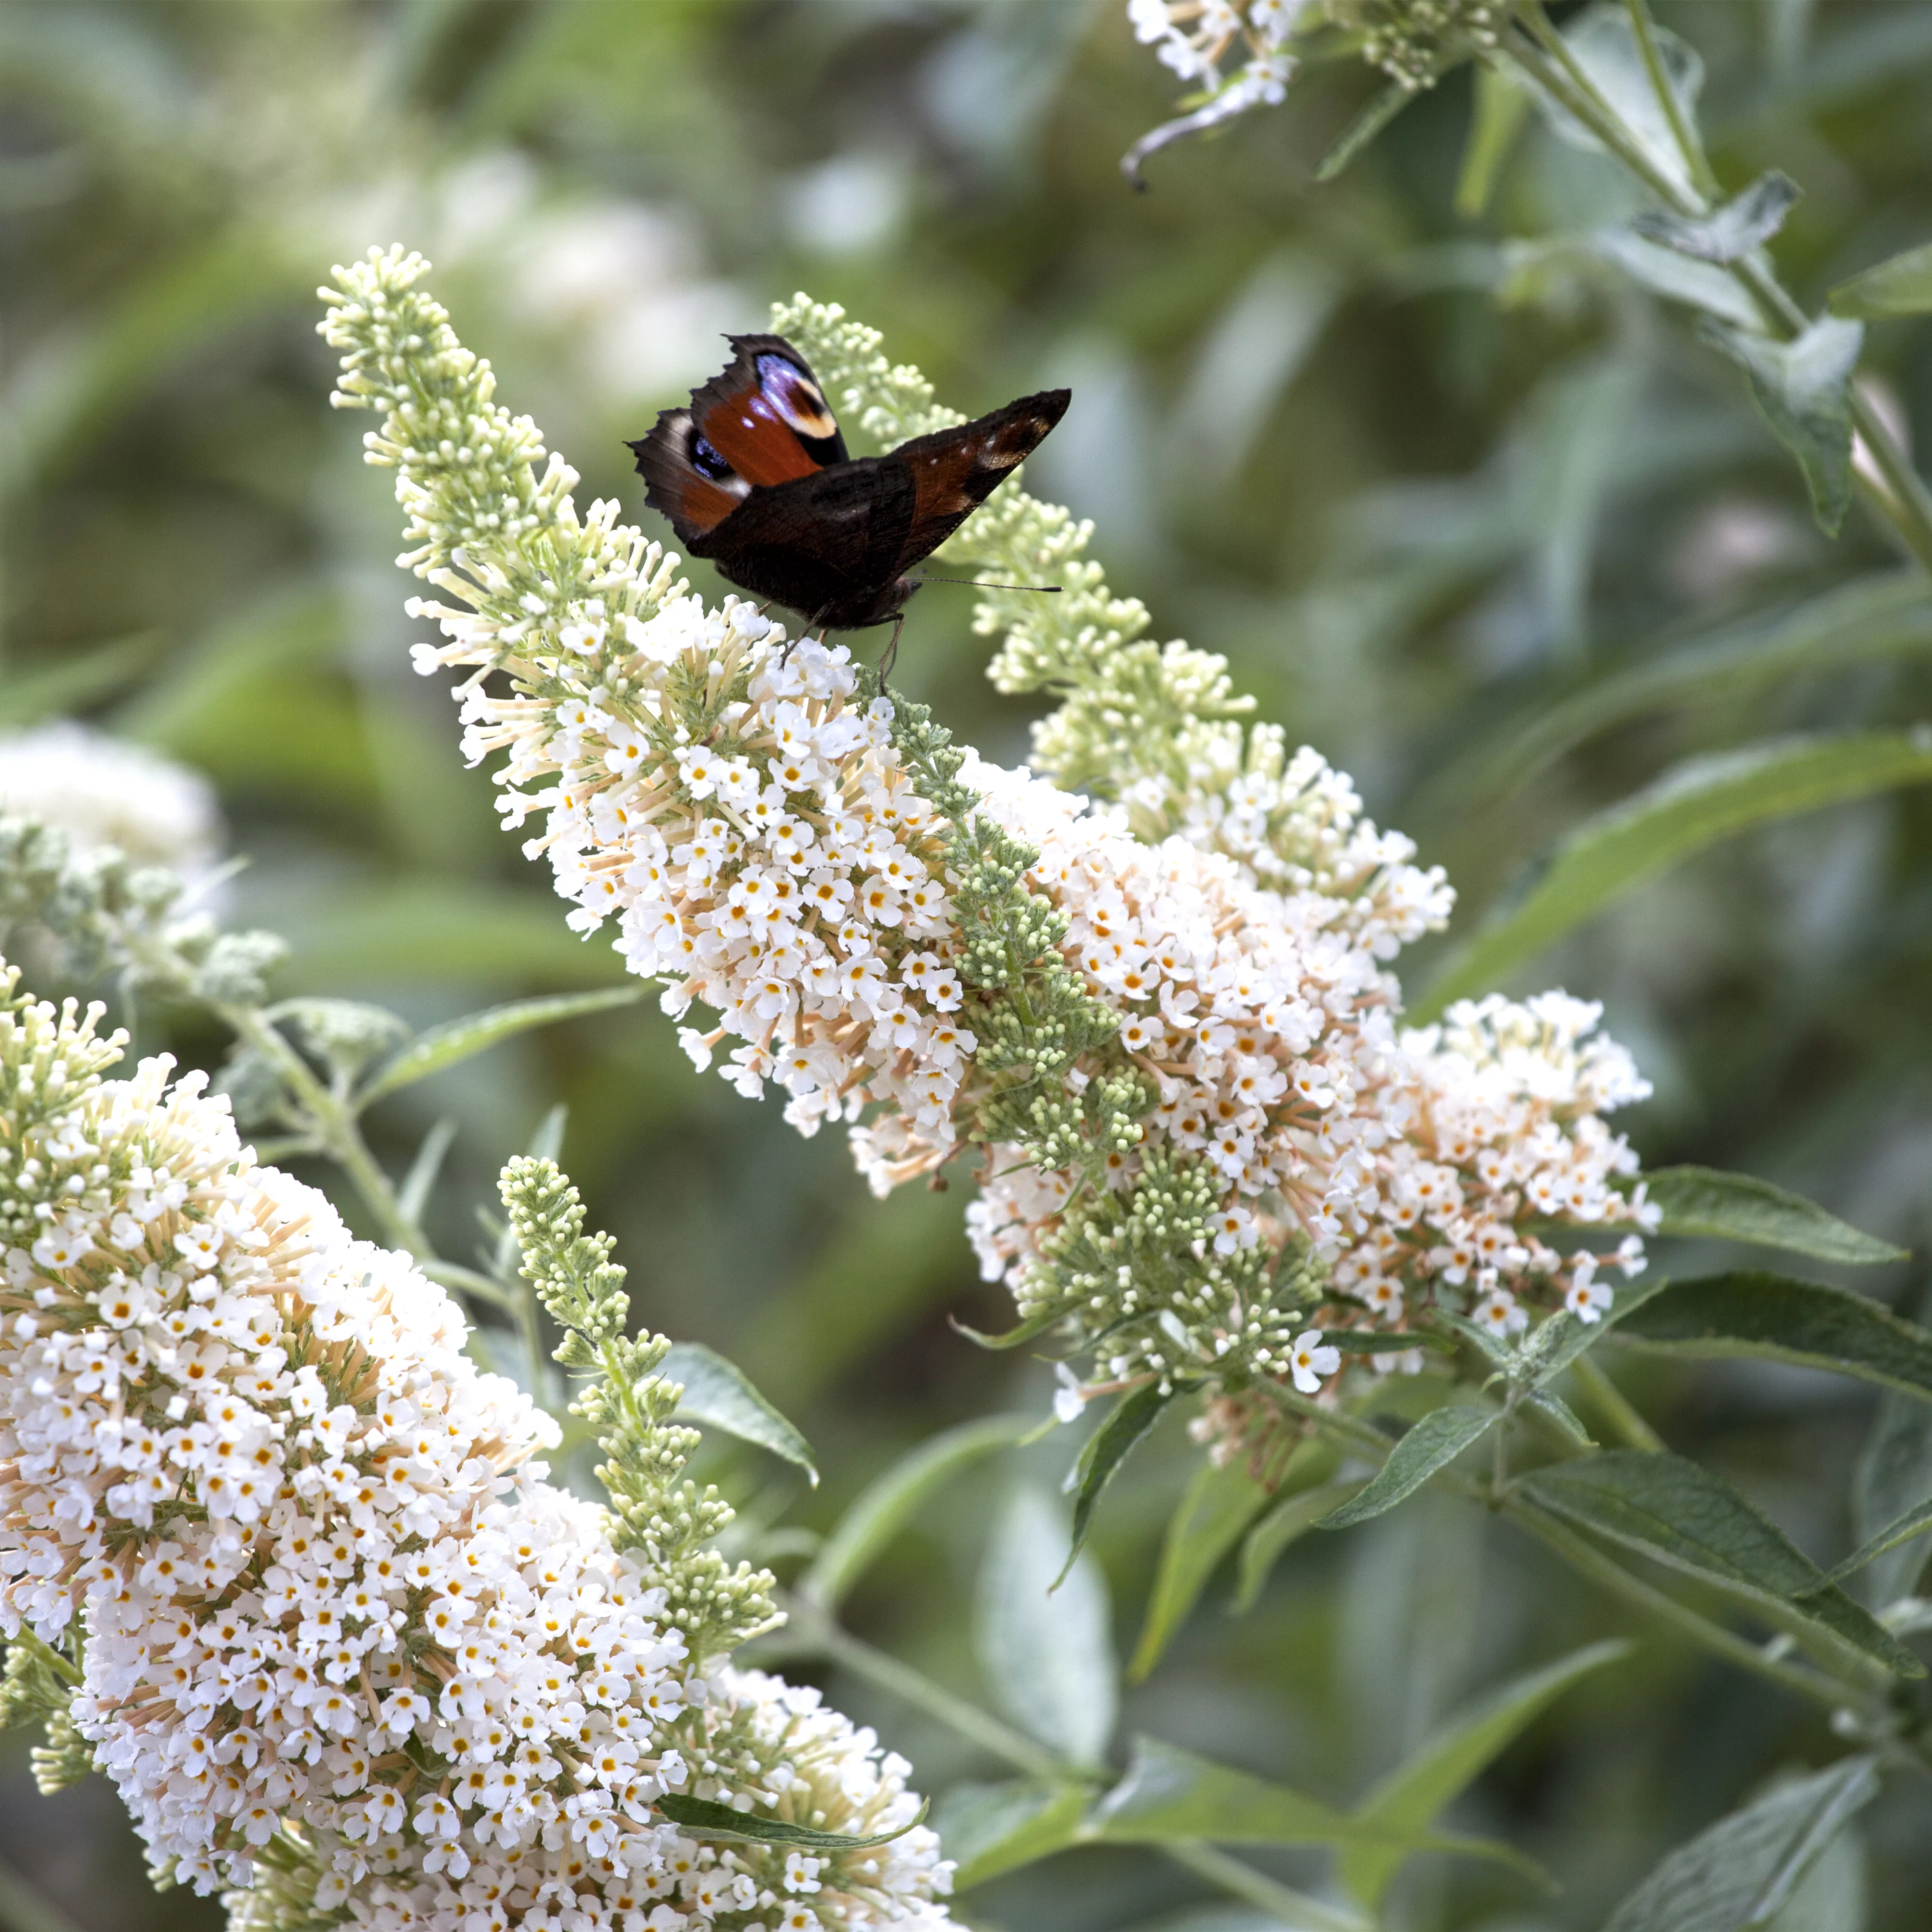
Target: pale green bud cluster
1416, 42
105, 913
38, 1687
1033, 1017
670, 1523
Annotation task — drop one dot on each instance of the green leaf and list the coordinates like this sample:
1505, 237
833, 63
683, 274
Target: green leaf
1907, 1529
1738, 1872
889, 1503
1871, 619
1603, 44
1557, 1342
1774, 1317
1502, 107
1433, 1443
1412, 1796
1287, 1522
1127, 1424
74, 679
1900, 286
718, 1394
1015, 1336
1169, 1795
1893, 1476
440, 1046
1707, 1200
1679, 278
708, 1820
1688, 808
1044, 1634
1219, 1504
1803, 389
1381, 1342
992, 1828
1684, 1516
1747, 221
1832, 1895
1380, 109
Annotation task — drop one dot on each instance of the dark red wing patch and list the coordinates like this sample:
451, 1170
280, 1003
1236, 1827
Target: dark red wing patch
954, 471
684, 479
765, 416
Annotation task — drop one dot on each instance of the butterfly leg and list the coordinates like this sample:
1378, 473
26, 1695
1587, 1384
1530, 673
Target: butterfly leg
804, 631
891, 654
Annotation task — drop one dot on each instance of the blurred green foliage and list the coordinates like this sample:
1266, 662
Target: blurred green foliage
1471, 512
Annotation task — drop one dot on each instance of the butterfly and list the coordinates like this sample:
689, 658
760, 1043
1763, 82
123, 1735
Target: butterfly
755, 476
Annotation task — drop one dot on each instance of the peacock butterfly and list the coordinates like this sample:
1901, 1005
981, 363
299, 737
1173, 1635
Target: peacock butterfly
754, 476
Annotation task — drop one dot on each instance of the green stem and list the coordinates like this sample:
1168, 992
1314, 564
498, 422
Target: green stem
818, 1634
1681, 131
1904, 503
1294, 1908
1587, 1561
1614, 1406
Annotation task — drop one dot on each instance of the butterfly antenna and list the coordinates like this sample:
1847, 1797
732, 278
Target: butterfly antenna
980, 584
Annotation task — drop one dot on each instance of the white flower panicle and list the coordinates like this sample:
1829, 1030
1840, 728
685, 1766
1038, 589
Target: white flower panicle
1239, 1134
336, 1638
102, 791
1414, 42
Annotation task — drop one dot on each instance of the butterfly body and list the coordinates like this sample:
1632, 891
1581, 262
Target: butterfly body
755, 476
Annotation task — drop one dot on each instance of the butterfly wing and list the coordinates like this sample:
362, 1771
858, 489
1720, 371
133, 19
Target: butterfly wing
954, 471
763, 421
826, 545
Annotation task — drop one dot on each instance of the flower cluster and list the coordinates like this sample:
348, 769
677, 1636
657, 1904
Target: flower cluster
1414, 42
1166, 1019
103, 791
339, 1644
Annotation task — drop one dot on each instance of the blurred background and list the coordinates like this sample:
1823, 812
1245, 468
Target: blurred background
1421, 474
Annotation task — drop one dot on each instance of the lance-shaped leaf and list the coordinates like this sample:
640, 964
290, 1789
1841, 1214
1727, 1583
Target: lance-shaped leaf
1680, 1514
1433, 1443
710, 1820
1747, 220
1603, 43
992, 1828
891, 1501
1219, 1505
718, 1394
1803, 389
1737, 1873
1894, 1476
1707, 1200
1291, 1518
1560, 1339
1411, 1797
1771, 1316
429, 1052
1686, 810
1903, 1529
1126, 1427
1900, 286
1171, 1795
1044, 1634
1886, 614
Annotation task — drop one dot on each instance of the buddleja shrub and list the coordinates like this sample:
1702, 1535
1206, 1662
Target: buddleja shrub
285, 1565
